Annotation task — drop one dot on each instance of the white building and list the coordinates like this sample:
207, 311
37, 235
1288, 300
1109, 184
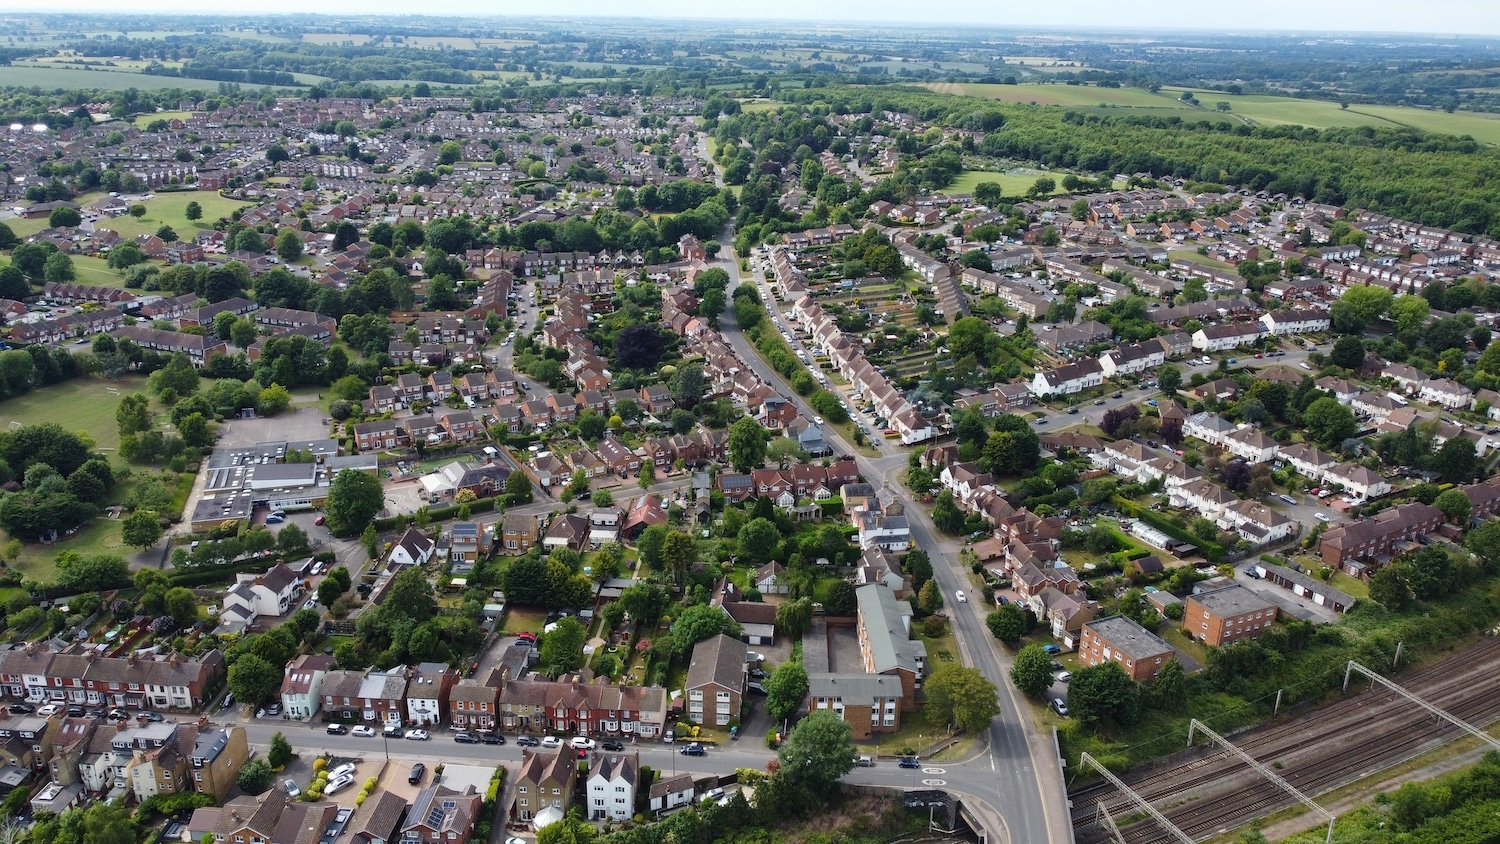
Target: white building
414, 548
1128, 360
1302, 321
270, 594
1360, 483
1252, 445
1073, 378
1447, 393
612, 788
1214, 338
671, 793
302, 686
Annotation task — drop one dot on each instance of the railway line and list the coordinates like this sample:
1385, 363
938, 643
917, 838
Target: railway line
1207, 790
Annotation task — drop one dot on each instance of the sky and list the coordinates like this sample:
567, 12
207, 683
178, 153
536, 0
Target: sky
1448, 17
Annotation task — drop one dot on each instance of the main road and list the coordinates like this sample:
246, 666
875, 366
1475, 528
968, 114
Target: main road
1018, 774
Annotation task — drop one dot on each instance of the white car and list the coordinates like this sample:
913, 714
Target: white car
817, 420
581, 743
345, 770
363, 731
1322, 517
338, 784
552, 742
960, 596
417, 735
49, 710
1063, 677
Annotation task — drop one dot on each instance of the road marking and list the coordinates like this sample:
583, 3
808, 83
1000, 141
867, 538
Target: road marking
934, 782
934, 770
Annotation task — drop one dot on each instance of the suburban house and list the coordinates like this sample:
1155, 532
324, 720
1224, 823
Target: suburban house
1377, 535
472, 705
545, 781
414, 548
427, 693
302, 685
670, 793
440, 814
611, 787
1119, 639
270, 594
567, 705
715, 685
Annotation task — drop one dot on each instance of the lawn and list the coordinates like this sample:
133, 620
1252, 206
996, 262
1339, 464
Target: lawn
1192, 255
90, 270
1012, 182
38, 561
524, 620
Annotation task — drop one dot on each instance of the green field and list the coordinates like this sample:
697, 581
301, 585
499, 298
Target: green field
171, 209
90, 270
1192, 255
1013, 183
83, 404
62, 78
1254, 110
143, 120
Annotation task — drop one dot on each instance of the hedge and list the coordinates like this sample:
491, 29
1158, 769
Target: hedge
1211, 550
205, 575
438, 514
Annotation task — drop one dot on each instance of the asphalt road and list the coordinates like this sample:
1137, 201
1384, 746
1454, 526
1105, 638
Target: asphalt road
1011, 773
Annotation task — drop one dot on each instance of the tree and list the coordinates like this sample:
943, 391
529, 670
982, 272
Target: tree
1455, 461
929, 599
1032, 671
1484, 541
1169, 690
793, 618
1455, 505
962, 696
1348, 352
650, 543
273, 400
280, 754
817, 753
697, 623
193, 211
182, 605
572, 829
785, 689
946, 515
410, 597
1389, 588
747, 444
253, 679
1103, 695
1330, 423
13, 284
59, 268
970, 336
329, 591
255, 776
92, 572
64, 217
562, 648
1042, 186
141, 529
124, 256
841, 599
759, 540
289, 245
1007, 624
1359, 306
678, 553
353, 500
1169, 378
1409, 313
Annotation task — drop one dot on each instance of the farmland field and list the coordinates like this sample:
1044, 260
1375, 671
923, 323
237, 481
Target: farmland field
50, 78
1064, 95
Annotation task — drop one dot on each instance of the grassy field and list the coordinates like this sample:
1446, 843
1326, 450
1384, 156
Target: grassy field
1250, 109
83, 404
1013, 182
144, 120
171, 209
90, 270
49, 78
1191, 255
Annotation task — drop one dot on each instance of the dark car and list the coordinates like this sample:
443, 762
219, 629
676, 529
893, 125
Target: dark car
612, 745
909, 762
466, 738
75, 712
22, 709
338, 729
694, 749
492, 738
417, 772
527, 741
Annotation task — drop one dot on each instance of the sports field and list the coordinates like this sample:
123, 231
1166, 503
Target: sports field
1013, 183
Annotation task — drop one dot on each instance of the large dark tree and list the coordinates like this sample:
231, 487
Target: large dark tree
639, 347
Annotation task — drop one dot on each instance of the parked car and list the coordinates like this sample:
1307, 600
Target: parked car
864, 761
417, 735
337, 729
909, 762
466, 738
291, 788
418, 771
582, 743
345, 770
320, 520
527, 741
49, 710
1052, 650
492, 738
363, 731
21, 709
1060, 707
338, 784
275, 520
1064, 676
1322, 517
552, 742
612, 745
694, 749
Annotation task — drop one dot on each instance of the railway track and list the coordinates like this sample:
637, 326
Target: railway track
1208, 789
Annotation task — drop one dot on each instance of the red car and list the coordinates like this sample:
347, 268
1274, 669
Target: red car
320, 520
527, 637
